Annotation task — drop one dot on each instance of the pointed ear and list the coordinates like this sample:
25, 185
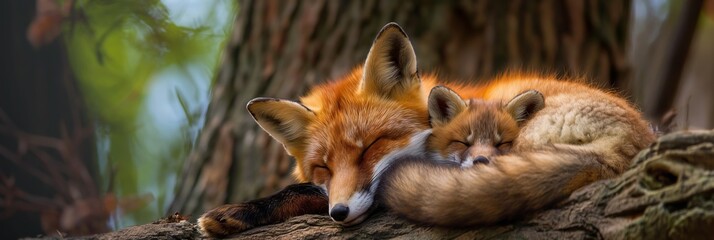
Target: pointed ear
444, 105
284, 120
390, 70
524, 105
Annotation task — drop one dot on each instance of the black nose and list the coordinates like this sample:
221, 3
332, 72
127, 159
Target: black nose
339, 212
481, 159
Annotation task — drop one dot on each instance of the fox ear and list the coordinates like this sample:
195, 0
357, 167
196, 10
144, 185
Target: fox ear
444, 105
284, 120
524, 105
390, 70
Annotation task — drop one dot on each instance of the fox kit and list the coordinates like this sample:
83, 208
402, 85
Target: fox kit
534, 141
344, 134
480, 129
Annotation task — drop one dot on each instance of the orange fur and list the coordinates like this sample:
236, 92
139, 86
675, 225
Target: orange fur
345, 134
570, 136
342, 134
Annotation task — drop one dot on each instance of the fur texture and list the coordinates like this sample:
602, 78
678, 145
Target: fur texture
296, 199
343, 134
580, 135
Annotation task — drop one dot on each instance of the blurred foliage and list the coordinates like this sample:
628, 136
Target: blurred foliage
145, 70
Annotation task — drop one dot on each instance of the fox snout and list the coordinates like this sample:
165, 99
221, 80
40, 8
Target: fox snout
477, 154
350, 196
353, 211
339, 212
480, 159
469, 161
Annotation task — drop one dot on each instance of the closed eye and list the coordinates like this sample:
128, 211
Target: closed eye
361, 155
504, 146
462, 143
321, 167
321, 174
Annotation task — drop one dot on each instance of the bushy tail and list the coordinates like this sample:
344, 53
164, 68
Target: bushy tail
434, 193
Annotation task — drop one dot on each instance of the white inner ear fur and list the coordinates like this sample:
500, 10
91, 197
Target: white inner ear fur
444, 104
284, 120
525, 104
391, 63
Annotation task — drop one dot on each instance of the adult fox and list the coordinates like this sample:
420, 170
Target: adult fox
343, 135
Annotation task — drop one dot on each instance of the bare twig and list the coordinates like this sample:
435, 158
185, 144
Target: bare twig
17, 160
666, 123
58, 181
10, 193
55, 162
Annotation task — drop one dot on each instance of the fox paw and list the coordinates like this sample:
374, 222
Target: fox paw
226, 220
294, 200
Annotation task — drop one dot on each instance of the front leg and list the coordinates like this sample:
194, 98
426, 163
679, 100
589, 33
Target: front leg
294, 200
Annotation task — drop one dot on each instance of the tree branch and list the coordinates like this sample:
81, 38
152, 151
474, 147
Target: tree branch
667, 194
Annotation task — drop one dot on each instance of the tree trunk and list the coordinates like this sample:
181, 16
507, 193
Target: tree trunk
282, 48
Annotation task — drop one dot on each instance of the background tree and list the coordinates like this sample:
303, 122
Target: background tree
46, 147
280, 49
98, 100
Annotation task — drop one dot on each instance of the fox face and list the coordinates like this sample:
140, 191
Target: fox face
474, 131
345, 133
348, 164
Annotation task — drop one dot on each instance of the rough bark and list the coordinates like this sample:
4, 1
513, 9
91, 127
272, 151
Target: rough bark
180, 230
667, 194
281, 48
